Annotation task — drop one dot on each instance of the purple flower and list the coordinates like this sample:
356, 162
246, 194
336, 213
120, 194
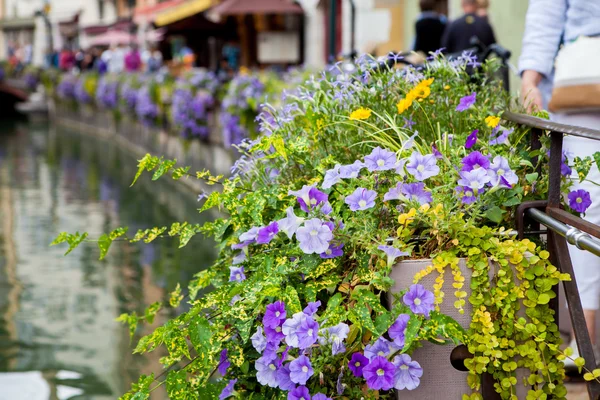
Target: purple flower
301, 370
422, 166
266, 372
270, 352
307, 332
274, 335
407, 372
466, 102
357, 363
471, 139
579, 200
335, 335
333, 251
274, 315
500, 169
419, 300
436, 152
352, 170
332, 177
250, 235
379, 374
300, 393
380, 348
259, 342
289, 328
380, 160
476, 179
224, 363
283, 378
502, 138
290, 224
309, 196
312, 308
467, 194
320, 396
228, 390
475, 160
392, 253
416, 191
408, 123
314, 236
361, 199
339, 385
236, 274
565, 170
267, 233
398, 330
239, 258
395, 193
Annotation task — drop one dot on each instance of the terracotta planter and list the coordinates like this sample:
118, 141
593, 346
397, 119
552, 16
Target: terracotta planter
440, 379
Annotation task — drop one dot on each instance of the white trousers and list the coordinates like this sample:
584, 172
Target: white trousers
585, 264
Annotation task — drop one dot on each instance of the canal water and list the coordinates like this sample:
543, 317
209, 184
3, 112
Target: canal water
58, 334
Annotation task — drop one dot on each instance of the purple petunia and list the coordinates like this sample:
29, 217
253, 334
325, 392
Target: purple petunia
398, 330
300, 393
307, 332
333, 251
239, 258
501, 169
352, 170
502, 138
422, 166
436, 152
357, 363
395, 193
228, 390
416, 191
379, 374
380, 160
250, 235
274, 335
332, 177
467, 194
361, 199
289, 328
407, 374
419, 300
474, 161
236, 274
267, 233
475, 179
309, 197
290, 224
381, 347
471, 139
312, 308
283, 378
466, 102
580, 200
565, 170
275, 315
320, 396
259, 341
266, 372
314, 236
224, 363
301, 370
335, 335
392, 253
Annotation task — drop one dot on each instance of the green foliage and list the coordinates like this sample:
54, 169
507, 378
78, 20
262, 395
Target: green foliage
73, 240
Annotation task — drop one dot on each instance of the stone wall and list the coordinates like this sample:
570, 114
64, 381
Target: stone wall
139, 140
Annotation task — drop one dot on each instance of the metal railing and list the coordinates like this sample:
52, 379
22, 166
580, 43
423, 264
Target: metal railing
562, 228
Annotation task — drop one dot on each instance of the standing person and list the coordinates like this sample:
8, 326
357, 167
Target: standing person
66, 59
548, 23
133, 60
231, 53
482, 9
429, 28
459, 33
28, 54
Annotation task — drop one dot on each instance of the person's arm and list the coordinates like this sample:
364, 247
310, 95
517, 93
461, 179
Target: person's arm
447, 44
544, 27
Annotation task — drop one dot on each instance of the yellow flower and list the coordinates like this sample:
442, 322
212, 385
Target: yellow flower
447, 87
421, 92
426, 82
244, 70
492, 121
404, 104
360, 114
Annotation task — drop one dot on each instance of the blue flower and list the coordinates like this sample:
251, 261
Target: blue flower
361, 199
380, 160
224, 363
290, 224
422, 166
266, 372
416, 191
236, 274
314, 236
228, 390
259, 342
267, 233
398, 330
301, 370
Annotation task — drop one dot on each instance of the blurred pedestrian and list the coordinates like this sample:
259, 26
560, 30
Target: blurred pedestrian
482, 9
133, 60
460, 33
577, 24
429, 28
66, 59
231, 53
28, 54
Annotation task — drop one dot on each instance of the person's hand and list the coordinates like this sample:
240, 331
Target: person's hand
531, 96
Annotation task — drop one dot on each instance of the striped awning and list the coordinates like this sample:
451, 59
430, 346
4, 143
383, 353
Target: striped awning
182, 11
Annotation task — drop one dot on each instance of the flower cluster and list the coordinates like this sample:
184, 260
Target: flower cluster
190, 112
107, 93
145, 106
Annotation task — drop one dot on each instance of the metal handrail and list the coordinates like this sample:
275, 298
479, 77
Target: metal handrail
544, 124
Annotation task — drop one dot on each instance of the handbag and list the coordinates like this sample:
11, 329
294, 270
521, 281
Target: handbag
577, 77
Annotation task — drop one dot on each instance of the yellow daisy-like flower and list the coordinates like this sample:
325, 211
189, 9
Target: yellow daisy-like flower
404, 104
421, 92
492, 121
360, 114
426, 82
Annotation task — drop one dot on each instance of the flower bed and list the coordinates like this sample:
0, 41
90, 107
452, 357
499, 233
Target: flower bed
349, 176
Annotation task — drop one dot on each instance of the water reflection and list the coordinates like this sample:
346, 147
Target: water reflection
58, 335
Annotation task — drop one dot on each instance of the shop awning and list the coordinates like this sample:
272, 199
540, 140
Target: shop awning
149, 13
113, 38
240, 7
182, 11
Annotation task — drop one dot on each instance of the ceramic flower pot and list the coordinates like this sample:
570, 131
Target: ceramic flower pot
440, 379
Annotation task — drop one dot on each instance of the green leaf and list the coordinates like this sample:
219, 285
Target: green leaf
494, 214
543, 298
104, 243
361, 316
200, 335
212, 200
147, 163
291, 300
384, 321
176, 297
279, 145
532, 177
61, 238
75, 240
163, 168
180, 172
412, 330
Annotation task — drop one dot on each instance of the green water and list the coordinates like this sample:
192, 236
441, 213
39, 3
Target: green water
58, 335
